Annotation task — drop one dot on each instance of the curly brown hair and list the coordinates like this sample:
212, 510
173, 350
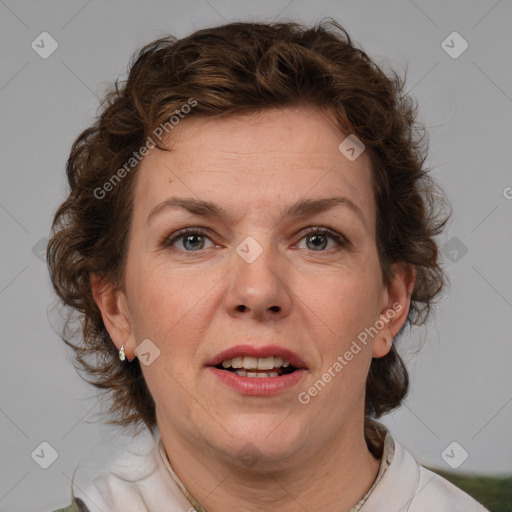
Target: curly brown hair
228, 70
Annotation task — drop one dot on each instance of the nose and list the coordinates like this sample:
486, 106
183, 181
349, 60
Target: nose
259, 289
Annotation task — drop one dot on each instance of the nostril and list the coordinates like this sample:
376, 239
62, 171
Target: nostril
241, 308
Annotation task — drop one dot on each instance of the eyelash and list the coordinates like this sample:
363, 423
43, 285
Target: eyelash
341, 240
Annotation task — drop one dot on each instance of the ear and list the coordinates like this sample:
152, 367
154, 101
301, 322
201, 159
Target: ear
116, 316
396, 302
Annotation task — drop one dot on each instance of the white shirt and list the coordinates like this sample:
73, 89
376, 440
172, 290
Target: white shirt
140, 479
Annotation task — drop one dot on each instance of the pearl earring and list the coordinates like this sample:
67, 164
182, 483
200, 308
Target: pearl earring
122, 355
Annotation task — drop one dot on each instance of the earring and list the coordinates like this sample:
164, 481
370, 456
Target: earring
122, 355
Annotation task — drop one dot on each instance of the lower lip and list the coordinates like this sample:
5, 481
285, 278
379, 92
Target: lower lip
258, 386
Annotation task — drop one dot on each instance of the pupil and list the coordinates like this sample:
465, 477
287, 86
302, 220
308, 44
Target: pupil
318, 241
190, 240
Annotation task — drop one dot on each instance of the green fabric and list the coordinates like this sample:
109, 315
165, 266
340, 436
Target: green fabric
72, 508
77, 506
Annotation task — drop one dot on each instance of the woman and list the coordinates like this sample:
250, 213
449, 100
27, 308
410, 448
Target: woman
249, 228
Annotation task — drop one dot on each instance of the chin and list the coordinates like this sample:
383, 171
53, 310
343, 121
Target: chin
258, 438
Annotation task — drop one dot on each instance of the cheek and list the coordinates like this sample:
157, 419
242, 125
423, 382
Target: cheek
345, 302
171, 307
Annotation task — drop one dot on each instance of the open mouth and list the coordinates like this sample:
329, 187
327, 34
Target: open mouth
254, 367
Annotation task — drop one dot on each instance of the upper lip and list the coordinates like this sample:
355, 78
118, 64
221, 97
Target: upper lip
252, 351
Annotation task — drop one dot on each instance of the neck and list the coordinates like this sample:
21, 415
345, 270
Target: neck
332, 479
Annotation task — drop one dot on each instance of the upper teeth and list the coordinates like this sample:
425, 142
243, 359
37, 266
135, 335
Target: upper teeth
255, 363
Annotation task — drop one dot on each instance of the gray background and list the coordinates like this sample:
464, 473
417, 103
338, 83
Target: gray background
461, 380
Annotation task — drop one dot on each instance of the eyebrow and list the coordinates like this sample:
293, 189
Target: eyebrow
300, 209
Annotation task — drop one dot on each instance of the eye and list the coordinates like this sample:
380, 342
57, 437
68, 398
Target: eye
190, 240
196, 239
317, 239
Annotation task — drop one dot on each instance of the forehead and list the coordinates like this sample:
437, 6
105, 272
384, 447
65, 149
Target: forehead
259, 161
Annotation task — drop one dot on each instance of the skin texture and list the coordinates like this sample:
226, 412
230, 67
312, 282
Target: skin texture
313, 302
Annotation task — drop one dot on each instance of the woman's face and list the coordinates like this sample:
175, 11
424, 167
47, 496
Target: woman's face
257, 280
